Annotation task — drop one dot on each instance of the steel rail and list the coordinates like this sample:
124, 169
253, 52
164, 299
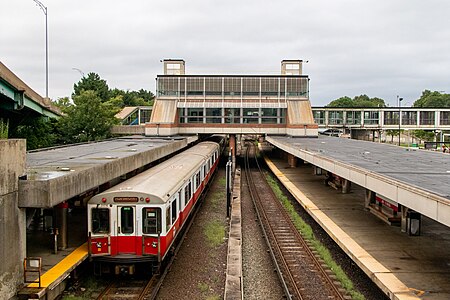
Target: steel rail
278, 209
253, 195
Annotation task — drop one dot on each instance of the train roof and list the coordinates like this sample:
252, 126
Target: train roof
162, 180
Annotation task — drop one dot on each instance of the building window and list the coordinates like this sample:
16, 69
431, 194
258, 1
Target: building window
232, 115
319, 117
391, 117
371, 117
335, 117
445, 118
213, 115
427, 118
409, 118
353, 118
195, 115
251, 115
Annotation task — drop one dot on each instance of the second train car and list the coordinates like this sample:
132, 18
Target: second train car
138, 220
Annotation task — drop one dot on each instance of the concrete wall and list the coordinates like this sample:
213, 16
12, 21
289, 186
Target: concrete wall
12, 219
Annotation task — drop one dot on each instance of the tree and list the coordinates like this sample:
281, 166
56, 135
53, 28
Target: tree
63, 102
432, 99
39, 132
92, 82
134, 98
357, 101
90, 118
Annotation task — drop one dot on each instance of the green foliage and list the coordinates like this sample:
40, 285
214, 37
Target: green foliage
424, 135
4, 126
90, 118
39, 132
92, 82
357, 101
215, 233
432, 99
134, 98
63, 102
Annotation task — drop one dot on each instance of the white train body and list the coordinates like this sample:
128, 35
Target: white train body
138, 219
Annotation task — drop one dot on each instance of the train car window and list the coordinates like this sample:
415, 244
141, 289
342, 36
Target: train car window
174, 211
151, 220
180, 194
126, 219
100, 220
168, 223
204, 171
197, 180
186, 195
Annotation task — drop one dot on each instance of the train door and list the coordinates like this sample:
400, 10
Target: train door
126, 229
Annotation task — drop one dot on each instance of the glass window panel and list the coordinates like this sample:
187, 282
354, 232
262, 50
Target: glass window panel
127, 219
100, 220
151, 220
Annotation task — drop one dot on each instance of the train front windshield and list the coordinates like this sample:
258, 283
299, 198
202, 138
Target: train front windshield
151, 220
100, 220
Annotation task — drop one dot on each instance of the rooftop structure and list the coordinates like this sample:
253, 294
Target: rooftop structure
234, 104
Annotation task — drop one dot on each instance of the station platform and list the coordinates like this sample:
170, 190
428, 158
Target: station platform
56, 267
403, 266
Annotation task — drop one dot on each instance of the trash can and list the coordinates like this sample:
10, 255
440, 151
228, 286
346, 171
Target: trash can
414, 223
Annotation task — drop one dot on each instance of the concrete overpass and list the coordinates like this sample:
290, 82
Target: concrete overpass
19, 102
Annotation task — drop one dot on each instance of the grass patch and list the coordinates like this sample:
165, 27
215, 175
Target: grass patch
222, 181
308, 234
215, 233
4, 126
203, 287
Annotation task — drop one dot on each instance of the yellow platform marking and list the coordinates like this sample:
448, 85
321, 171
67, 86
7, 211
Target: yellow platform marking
63, 267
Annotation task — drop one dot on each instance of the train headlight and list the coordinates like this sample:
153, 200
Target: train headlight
154, 244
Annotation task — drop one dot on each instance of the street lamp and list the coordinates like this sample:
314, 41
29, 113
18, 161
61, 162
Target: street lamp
44, 9
79, 71
399, 100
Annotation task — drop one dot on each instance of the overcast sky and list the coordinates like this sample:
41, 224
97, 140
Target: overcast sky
376, 47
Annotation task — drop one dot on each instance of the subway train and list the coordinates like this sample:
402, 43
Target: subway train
138, 220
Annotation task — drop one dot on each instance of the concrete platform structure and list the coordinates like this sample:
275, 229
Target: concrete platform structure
415, 180
51, 180
58, 174
232, 104
403, 266
12, 218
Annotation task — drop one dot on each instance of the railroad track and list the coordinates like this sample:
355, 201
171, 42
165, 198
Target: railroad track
300, 272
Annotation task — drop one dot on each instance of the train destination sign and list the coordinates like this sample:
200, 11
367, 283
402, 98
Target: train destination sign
126, 199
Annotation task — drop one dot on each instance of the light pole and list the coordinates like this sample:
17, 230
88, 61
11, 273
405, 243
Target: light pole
79, 71
44, 9
399, 100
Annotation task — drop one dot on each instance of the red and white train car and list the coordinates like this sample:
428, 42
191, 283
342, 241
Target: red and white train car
139, 219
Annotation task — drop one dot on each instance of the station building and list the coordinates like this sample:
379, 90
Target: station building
232, 104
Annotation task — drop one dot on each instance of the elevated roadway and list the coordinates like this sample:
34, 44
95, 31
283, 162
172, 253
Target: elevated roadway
18, 101
416, 179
